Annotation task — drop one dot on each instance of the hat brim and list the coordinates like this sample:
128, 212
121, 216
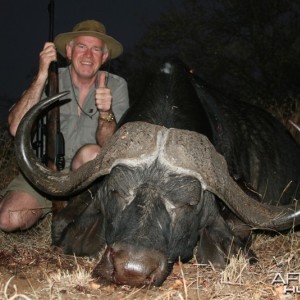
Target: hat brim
114, 47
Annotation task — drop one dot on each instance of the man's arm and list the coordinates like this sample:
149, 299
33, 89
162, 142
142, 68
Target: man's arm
106, 127
29, 98
33, 94
107, 122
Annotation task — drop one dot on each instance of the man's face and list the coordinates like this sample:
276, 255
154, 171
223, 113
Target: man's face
87, 54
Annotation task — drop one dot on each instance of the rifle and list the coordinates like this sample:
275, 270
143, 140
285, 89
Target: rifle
54, 139
55, 144
48, 129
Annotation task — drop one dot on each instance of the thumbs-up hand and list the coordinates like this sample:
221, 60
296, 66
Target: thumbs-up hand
103, 94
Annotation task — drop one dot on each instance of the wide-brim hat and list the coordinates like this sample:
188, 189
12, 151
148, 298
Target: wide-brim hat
88, 28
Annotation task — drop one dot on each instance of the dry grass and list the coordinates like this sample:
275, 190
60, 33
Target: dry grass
29, 269
8, 166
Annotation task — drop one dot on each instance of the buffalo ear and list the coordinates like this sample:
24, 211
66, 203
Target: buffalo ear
218, 242
78, 228
209, 252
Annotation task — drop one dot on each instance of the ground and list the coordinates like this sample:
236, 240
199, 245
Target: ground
30, 269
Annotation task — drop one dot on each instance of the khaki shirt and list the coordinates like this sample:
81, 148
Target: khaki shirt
80, 130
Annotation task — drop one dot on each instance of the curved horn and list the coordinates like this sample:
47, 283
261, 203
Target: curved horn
297, 127
125, 146
200, 158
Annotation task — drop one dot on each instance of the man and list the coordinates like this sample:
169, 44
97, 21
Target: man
88, 120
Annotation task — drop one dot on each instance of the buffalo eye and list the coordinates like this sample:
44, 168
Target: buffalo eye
184, 191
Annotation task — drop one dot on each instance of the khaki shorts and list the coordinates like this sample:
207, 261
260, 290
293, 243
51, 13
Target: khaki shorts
20, 183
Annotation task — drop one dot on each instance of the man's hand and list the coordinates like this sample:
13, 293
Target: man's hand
103, 95
47, 55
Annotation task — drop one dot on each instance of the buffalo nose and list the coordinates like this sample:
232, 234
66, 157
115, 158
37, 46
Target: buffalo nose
132, 265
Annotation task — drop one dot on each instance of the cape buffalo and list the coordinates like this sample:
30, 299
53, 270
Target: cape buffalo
186, 168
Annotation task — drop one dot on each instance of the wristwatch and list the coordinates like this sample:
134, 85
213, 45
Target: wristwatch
109, 118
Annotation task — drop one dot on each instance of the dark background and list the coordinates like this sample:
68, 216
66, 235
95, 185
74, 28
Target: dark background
248, 50
25, 28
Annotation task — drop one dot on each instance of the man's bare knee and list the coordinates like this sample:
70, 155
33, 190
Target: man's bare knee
18, 211
85, 154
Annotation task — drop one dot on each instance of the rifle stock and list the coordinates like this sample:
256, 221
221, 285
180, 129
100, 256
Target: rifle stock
53, 158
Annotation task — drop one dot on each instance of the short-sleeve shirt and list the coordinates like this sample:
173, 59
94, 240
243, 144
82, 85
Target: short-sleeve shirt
79, 130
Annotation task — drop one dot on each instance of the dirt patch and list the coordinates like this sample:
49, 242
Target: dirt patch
8, 164
30, 269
